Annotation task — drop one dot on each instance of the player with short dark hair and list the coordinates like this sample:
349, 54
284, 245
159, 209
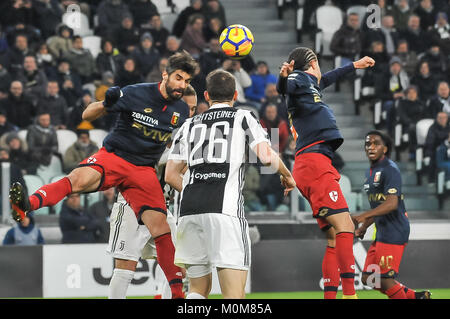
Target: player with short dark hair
212, 231
315, 126
148, 113
383, 186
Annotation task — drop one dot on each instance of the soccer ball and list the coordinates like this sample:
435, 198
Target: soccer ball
236, 41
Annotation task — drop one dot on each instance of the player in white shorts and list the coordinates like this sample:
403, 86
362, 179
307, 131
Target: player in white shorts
212, 231
129, 241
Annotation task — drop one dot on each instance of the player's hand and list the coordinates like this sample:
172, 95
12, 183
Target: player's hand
287, 68
364, 63
288, 184
358, 219
112, 95
360, 232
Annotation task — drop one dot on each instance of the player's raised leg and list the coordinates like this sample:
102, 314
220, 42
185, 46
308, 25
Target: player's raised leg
344, 228
81, 179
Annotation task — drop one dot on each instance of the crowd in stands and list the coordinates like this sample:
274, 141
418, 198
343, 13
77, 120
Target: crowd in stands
411, 47
48, 76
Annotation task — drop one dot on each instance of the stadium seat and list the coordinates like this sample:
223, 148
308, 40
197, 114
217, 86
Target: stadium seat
93, 44
351, 197
65, 139
422, 128
23, 134
57, 208
79, 22
162, 6
97, 136
33, 183
47, 172
328, 20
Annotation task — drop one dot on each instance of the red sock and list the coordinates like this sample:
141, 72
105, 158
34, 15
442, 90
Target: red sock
346, 262
396, 292
330, 273
410, 294
50, 194
165, 251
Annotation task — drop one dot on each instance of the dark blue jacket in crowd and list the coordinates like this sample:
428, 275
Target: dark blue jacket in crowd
71, 221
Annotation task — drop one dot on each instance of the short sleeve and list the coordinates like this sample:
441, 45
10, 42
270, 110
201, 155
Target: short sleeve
179, 148
253, 130
392, 181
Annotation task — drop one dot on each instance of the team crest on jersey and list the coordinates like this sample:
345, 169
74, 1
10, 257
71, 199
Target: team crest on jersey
91, 160
175, 118
148, 110
376, 179
334, 196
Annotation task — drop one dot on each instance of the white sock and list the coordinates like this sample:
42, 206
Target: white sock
119, 283
194, 295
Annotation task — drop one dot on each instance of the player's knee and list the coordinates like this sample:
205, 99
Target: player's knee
81, 179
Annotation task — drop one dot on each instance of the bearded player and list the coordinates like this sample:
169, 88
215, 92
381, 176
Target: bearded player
148, 113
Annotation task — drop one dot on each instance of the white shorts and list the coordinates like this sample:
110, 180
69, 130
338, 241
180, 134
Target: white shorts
212, 240
129, 240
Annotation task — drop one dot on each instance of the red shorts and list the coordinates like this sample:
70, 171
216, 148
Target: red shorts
384, 259
139, 185
318, 181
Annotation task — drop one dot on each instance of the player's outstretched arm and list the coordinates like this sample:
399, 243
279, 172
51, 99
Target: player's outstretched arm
93, 111
363, 63
390, 204
269, 157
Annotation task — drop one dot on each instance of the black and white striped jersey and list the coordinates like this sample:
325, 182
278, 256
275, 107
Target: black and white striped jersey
214, 145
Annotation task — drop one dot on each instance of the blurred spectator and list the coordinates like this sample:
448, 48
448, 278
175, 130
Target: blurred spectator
252, 202
273, 97
105, 84
440, 32
427, 13
386, 34
441, 101
425, 80
34, 79
214, 9
437, 134
193, 40
248, 64
379, 54
142, 10
48, 16
109, 13
128, 74
213, 28
275, 125
443, 157
242, 78
44, 59
19, 155
30, 32
17, 11
289, 152
126, 35
16, 54
389, 87
158, 32
418, 39
410, 111
172, 46
260, 79
15, 173
74, 118
78, 151
109, 59
77, 226
69, 82
437, 61
409, 58
156, 74
5, 79
5, 125
81, 60
146, 56
55, 105
42, 140
181, 22
61, 42
24, 233
202, 107
270, 191
18, 106
401, 12
198, 82
212, 58
101, 211
346, 42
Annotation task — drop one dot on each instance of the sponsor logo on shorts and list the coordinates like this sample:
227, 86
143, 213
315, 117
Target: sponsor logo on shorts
323, 212
334, 196
122, 245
